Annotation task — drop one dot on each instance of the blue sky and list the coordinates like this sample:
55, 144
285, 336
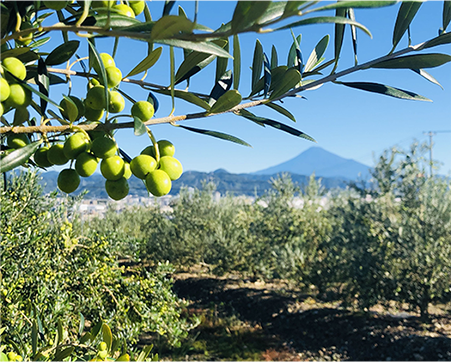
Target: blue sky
351, 123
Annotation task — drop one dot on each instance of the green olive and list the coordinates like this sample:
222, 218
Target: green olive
171, 166
117, 102
95, 98
137, 6
68, 180
18, 97
118, 189
114, 76
143, 110
103, 147
112, 168
86, 164
18, 140
76, 144
158, 183
4, 90
141, 165
15, 67
40, 157
56, 155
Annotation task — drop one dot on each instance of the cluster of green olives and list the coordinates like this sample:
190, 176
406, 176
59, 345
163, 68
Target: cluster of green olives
85, 150
158, 175
14, 95
86, 153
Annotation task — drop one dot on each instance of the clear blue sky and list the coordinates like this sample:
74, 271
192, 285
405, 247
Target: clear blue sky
351, 123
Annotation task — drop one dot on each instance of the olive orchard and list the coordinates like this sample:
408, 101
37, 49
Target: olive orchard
78, 130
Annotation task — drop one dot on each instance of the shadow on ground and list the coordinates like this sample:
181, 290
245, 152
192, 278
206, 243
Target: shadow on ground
282, 324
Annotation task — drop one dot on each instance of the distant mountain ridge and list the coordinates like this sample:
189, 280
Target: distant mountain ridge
334, 171
226, 182
321, 162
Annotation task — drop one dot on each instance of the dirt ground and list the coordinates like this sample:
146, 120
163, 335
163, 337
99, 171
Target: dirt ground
244, 320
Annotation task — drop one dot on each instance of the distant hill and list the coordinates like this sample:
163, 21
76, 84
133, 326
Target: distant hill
334, 170
321, 162
226, 182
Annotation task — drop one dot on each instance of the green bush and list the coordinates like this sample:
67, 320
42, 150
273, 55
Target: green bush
51, 271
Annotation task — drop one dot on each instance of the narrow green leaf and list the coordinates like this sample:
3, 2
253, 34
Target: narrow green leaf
292, 58
203, 47
146, 63
3, 357
236, 62
351, 15
216, 134
221, 86
427, 76
186, 96
247, 13
357, 4
154, 101
53, 79
139, 27
81, 326
289, 80
43, 81
276, 124
168, 5
221, 64
96, 60
72, 116
60, 356
274, 11
276, 76
86, 337
145, 352
274, 58
107, 336
339, 34
18, 157
34, 337
192, 65
281, 110
326, 20
195, 62
266, 75
172, 73
114, 20
227, 101
15, 53
385, 90
439, 40
406, 13
95, 330
250, 116
292, 8
139, 127
317, 53
170, 25
257, 63
62, 53
446, 14
124, 155
39, 43
59, 333
418, 61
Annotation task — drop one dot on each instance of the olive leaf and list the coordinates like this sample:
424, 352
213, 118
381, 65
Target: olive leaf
227, 101
139, 128
236, 62
146, 63
417, 61
170, 25
247, 13
385, 90
281, 110
62, 53
221, 86
107, 336
406, 13
289, 80
317, 53
257, 63
18, 157
220, 135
